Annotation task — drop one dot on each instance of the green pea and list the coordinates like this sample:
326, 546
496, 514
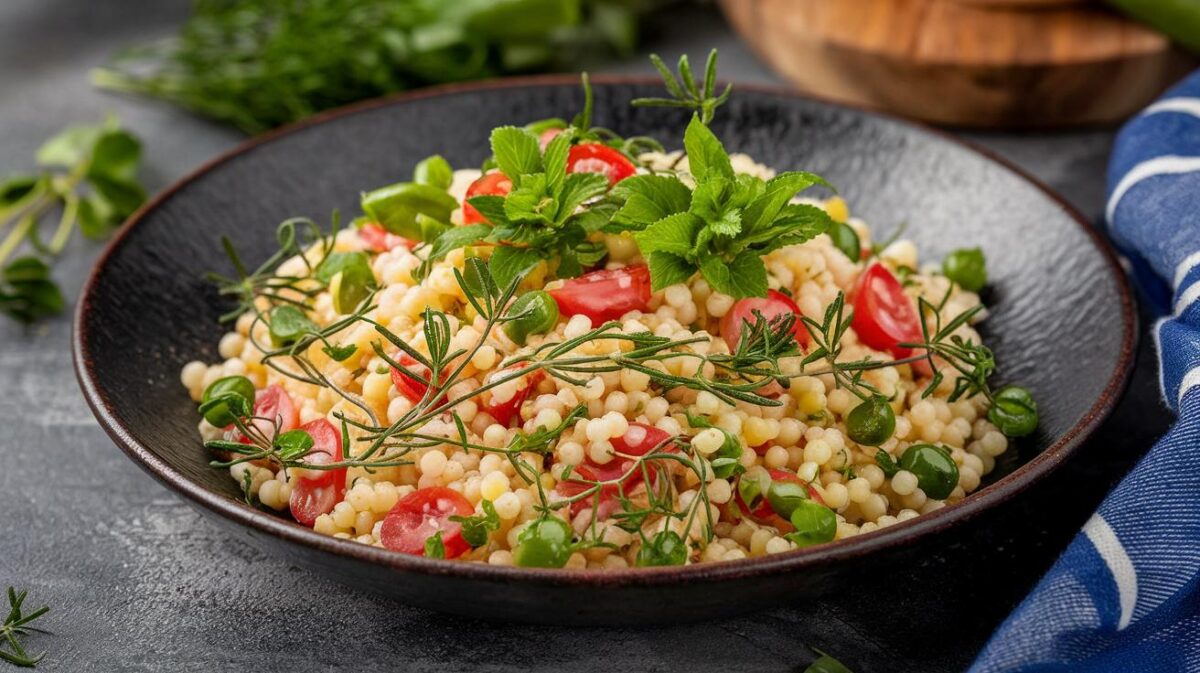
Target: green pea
434, 171
846, 239
349, 277
545, 543
815, 523
541, 314
226, 400
937, 475
399, 209
786, 496
664, 549
1014, 411
967, 267
872, 422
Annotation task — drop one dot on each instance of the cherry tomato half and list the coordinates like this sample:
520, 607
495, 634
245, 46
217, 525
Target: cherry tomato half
313, 497
271, 405
546, 136
420, 515
491, 184
410, 387
505, 412
884, 316
638, 440
605, 295
775, 304
762, 511
598, 158
378, 239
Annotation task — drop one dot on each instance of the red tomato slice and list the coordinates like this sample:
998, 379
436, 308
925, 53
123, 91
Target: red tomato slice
410, 387
313, 497
775, 304
505, 412
605, 295
763, 513
271, 404
598, 158
491, 184
419, 516
378, 239
638, 440
884, 316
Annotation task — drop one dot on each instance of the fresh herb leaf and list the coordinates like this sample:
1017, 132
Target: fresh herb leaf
293, 444
16, 626
516, 152
477, 528
686, 93
706, 155
509, 264
435, 547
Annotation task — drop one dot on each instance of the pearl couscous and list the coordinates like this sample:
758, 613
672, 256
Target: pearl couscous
420, 397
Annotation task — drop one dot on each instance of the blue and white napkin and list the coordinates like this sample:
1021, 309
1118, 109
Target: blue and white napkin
1125, 596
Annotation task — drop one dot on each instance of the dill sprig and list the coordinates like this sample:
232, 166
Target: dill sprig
17, 625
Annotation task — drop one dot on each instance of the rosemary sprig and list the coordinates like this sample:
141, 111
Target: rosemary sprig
687, 93
17, 625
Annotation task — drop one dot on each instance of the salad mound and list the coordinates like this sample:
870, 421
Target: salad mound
592, 352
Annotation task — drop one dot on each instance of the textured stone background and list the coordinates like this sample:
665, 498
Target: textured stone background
139, 582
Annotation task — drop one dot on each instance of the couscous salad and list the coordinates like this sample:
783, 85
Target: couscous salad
594, 353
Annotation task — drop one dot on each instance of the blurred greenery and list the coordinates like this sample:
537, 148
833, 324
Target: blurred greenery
1179, 19
261, 64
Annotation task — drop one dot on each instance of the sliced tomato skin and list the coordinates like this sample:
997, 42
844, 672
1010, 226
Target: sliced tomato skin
606, 294
884, 316
599, 158
638, 440
420, 515
775, 304
378, 239
313, 497
546, 136
411, 388
494, 183
763, 513
505, 412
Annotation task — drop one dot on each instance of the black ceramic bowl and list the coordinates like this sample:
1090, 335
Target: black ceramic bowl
1062, 320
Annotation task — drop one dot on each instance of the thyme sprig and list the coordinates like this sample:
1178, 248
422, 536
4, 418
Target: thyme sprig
17, 625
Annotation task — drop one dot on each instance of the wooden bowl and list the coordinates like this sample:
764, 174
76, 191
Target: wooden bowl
961, 63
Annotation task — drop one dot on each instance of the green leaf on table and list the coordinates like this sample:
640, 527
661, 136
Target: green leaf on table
17, 187
69, 147
27, 292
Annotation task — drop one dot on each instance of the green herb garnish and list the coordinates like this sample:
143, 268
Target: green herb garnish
16, 626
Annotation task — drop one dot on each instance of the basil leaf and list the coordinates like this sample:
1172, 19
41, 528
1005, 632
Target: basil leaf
434, 171
397, 208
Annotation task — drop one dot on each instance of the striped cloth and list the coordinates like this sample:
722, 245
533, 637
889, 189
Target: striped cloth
1126, 594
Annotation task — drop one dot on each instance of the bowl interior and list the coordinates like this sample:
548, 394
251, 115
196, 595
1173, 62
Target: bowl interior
1060, 319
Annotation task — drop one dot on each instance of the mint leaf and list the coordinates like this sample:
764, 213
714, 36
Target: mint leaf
453, 239
779, 191
745, 276
649, 198
796, 224
435, 547
531, 203
516, 151
675, 234
577, 189
667, 270
491, 207
707, 157
509, 263
748, 275
555, 159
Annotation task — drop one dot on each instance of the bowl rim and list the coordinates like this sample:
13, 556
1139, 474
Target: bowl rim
903, 533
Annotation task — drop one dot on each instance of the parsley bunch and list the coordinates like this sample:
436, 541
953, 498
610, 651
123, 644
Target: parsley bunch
724, 226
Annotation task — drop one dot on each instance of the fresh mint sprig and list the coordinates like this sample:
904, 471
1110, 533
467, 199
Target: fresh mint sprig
723, 226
